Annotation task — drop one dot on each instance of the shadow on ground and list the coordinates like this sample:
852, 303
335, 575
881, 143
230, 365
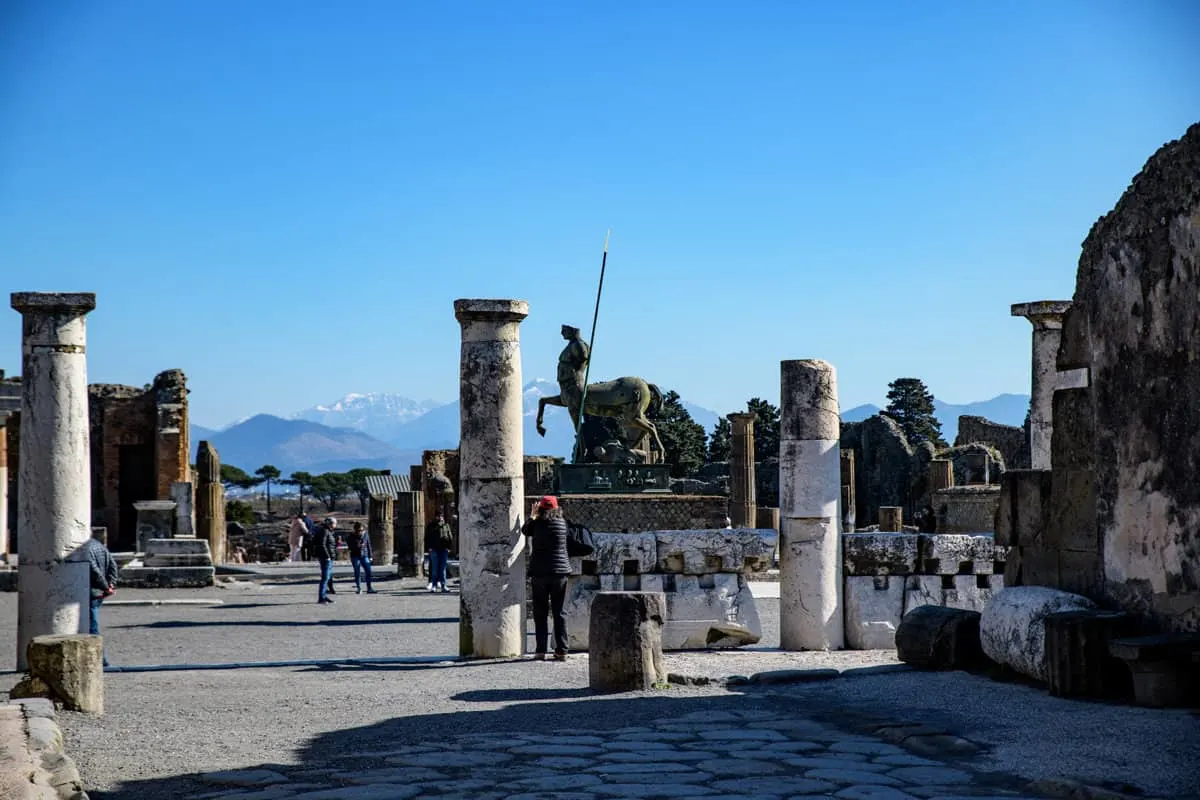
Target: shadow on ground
299, 623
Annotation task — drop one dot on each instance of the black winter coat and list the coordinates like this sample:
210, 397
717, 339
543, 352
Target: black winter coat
326, 541
548, 543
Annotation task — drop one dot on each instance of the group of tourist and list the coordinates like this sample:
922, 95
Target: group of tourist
307, 538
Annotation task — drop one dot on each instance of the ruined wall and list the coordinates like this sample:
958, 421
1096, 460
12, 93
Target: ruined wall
1135, 322
886, 467
637, 514
1012, 441
171, 435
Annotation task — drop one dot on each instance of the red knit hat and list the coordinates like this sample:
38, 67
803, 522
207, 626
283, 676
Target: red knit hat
549, 501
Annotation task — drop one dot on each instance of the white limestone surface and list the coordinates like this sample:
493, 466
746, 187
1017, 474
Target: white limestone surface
1012, 628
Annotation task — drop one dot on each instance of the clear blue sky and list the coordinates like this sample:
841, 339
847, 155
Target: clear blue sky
284, 197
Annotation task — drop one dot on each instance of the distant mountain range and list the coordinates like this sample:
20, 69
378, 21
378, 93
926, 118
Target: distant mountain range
389, 431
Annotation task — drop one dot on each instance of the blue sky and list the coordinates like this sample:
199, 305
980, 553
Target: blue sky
284, 197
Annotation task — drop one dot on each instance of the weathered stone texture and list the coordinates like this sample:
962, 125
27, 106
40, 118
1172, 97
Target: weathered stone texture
210, 501
70, 666
634, 514
966, 509
1012, 629
883, 466
1135, 322
1010, 440
627, 635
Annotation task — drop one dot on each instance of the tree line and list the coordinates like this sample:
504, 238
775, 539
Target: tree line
328, 487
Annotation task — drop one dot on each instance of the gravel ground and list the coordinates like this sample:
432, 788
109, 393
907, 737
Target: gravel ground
161, 726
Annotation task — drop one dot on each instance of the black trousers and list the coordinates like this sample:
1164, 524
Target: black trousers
548, 595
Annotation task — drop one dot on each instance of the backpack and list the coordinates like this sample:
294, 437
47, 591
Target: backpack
579, 541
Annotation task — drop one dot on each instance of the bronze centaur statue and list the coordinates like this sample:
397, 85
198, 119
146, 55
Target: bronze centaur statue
626, 399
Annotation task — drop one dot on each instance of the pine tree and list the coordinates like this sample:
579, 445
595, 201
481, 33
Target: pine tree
911, 405
766, 428
719, 441
682, 437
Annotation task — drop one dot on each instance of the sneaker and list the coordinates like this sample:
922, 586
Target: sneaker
445, 590
326, 600
371, 591
560, 656
539, 656
358, 590
430, 587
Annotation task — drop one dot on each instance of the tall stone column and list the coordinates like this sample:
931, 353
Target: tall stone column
380, 529
56, 477
210, 501
3, 491
410, 532
491, 479
742, 502
1047, 318
810, 591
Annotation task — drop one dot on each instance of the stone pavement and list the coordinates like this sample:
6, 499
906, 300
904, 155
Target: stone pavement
734, 755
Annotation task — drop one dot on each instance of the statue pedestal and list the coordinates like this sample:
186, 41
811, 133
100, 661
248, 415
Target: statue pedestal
614, 478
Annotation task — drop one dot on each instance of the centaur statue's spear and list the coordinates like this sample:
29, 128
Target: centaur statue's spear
591, 343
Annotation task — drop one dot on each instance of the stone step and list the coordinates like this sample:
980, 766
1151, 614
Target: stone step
166, 577
178, 546
181, 560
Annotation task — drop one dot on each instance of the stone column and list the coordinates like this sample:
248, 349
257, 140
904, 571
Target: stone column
379, 529
56, 476
742, 502
210, 501
849, 512
1047, 319
491, 479
891, 519
810, 591
3, 491
941, 475
410, 532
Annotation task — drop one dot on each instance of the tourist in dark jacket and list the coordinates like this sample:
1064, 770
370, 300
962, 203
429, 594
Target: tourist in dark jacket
548, 570
103, 582
358, 544
326, 547
439, 538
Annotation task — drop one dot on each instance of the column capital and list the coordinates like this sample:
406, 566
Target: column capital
742, 418
1042, 313
53, 302
491, 310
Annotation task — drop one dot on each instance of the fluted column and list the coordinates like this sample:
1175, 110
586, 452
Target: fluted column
491, 479
55, 466
742, 501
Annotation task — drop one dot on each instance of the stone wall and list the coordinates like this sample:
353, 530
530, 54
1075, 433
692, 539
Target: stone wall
887, 469
889, 574
650, 512
1012, 441
966, 509
1124, 495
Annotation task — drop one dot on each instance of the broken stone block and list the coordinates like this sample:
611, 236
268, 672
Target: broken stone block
970, 592
70, 665
879, 553
934, 637
627, 641
874, 608
954, 553
577, 607
619, 553
923, 590
1012, 629
701, 552
706, 611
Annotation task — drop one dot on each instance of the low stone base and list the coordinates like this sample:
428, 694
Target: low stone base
627, 629
67, 669
139, 577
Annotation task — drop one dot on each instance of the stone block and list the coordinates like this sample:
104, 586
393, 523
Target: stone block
155, 520
879, 553
874, 608
934, 637
577, 607
134, 575
72, 667
619, 553
955, 554
1012, 628
923, 590
702, 552
626, 630
706, 611
1024, 506
179, 546
174, 560
970, 592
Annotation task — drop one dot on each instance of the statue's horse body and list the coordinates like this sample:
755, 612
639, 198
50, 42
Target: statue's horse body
626, 399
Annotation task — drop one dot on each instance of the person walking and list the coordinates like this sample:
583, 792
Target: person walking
358, 544
439, 538
326, 551
103, 581
296, 534
307, 541
548, 570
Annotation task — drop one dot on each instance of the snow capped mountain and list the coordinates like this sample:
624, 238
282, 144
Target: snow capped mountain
377, 414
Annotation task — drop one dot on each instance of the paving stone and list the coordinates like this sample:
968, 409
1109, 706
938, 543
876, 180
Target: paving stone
794, 747
555, 783
931, 776
626, 767
633, 730
657, 757
657, 736
742, 734
452, 759
586, 740
832, 762
729, 767
776, 785
906, 761
873, 792
654, 776
794, 676
551, 796
563, 762
868, 748
793, 726
710, 716
244, 777
394, 775
459, 786
277, 792
557, 750
853, 776
653, 790
961, 791
640, 745
376, 791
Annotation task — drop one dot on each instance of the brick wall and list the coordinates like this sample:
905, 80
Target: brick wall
639, 513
